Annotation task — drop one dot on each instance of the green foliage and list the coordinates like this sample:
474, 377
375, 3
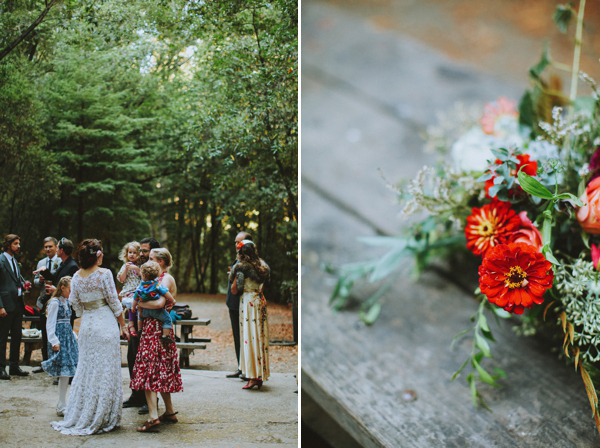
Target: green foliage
175, 119
480, 349
563, 15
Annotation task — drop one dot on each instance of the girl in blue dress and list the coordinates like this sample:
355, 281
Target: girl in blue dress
62, 341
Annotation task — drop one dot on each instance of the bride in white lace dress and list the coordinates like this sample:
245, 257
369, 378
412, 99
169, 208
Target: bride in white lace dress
94, 403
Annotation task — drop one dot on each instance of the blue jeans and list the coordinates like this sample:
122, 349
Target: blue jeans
160, 314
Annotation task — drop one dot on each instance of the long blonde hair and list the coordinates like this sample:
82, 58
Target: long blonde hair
65, 281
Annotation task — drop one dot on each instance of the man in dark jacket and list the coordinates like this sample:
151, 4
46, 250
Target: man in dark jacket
233, 303
11, 306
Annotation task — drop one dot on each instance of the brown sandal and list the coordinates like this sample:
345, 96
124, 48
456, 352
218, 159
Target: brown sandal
148, 425
169, 418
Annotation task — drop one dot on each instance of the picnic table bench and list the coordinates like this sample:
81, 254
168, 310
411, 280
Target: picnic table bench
187, 343
30, 343
367, 94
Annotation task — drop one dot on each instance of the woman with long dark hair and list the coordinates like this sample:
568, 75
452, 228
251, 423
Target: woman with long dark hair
248, 276
97, 391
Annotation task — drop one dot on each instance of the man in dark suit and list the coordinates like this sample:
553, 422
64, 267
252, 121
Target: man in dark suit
68, 267
11, 306
233, 303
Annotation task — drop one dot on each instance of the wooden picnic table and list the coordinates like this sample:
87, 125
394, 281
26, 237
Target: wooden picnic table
187, 343
367, 94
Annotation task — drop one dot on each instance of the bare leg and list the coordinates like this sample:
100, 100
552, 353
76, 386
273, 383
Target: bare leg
168, 403
152, 405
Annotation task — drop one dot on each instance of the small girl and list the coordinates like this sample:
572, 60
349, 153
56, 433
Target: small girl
62, 341
151, 289
129, 275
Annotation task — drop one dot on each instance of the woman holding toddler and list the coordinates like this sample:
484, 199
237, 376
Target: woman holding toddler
157, 365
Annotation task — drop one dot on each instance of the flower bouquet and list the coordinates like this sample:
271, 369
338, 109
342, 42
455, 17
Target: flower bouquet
522, 195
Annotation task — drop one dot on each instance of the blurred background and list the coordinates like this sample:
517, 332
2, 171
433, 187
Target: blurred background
375, 75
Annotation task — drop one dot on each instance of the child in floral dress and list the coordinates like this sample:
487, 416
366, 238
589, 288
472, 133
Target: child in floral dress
62, 341
129, 275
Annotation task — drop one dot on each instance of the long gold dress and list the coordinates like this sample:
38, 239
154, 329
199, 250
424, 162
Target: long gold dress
254, 332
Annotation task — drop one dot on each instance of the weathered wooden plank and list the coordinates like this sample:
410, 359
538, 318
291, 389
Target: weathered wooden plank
359, 373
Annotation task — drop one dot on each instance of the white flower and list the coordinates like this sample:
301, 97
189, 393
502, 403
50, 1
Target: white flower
473, 150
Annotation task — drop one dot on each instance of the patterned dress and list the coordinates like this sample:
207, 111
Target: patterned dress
254, 332
97, 391
156, 367
64, 361
132, 281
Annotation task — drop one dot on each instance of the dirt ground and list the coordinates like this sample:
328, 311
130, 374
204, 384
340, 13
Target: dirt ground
214, 411
220, 353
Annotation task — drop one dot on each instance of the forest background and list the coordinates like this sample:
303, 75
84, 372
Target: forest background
175, 119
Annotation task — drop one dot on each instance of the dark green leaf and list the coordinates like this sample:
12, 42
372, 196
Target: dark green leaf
533, 186
562, 16
538, 68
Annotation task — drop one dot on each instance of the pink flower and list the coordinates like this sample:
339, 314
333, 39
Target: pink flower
494, 110
595, 256
528, 233
589, 215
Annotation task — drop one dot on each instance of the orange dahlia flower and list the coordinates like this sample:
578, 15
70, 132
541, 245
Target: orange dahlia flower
515, 276
589, 215
490, 225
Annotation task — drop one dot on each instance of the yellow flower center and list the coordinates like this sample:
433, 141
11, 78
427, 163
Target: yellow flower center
487, 224
516, 277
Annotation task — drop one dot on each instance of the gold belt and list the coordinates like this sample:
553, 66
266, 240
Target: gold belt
94, 304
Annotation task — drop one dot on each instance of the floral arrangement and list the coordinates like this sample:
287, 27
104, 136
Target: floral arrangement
522, 195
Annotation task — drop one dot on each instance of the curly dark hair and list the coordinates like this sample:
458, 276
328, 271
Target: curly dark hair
86, 255
249, 255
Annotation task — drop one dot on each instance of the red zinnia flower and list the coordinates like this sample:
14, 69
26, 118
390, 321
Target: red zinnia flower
490, 225
515, 276
529, 167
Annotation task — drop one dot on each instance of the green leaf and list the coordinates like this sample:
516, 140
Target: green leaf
570, 197
388, 263
370, 316
483, 345
500, 153
473, 387
527, 110
383, 241
585, 237
501, 373
483, 375
546, 230
484, 177
562, 16
533, 186
488, 335
482, 322
538, 68
455, 374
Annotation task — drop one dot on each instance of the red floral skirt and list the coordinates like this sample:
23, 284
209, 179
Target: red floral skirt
156, 368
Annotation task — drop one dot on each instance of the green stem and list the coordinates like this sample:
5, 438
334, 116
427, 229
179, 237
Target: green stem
576, 59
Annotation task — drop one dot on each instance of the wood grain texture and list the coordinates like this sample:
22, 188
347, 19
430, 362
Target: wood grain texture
366, 95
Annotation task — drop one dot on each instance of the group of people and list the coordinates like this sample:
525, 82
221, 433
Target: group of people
74, 283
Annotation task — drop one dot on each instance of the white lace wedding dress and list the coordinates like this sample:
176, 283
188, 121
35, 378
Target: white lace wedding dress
95, 400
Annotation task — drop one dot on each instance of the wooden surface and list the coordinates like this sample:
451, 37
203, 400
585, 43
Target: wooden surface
366, 95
